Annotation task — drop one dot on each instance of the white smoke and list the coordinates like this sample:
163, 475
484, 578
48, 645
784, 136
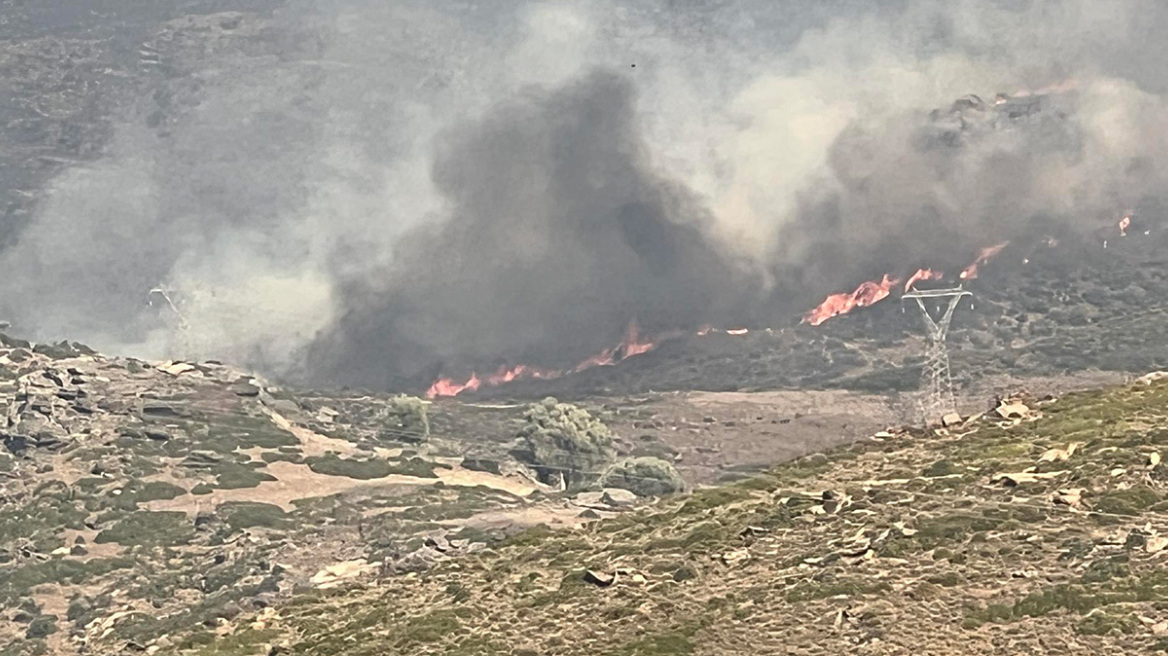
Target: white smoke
287, 167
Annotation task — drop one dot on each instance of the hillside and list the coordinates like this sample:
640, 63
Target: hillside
139, 500
1040, 532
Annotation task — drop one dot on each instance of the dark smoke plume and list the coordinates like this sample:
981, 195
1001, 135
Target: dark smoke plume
368, 192
559, 234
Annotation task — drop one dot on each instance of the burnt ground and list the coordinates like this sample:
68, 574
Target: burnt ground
1039, 313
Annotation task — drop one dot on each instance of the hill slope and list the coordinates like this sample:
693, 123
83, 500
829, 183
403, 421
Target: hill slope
1043, 533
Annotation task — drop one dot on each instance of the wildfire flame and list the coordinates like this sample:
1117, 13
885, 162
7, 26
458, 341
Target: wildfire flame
631, 345
447, 387
923, 274
868, 293
1124, 224
985, 255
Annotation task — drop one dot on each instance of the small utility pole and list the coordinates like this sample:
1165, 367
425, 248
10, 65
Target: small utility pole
936, 381
184, 327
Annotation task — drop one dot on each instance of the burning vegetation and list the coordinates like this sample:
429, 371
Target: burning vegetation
632, 344
868, 293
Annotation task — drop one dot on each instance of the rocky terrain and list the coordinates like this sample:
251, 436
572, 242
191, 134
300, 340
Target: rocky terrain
141, 499
191, 508
1037, 527
723, 493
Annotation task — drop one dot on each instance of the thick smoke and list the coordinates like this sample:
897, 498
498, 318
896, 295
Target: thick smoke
361, 192
558, 234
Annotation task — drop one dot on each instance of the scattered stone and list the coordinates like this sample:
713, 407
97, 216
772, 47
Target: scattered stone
1014, 410
735, 557
950, 420
417, 561
340, 573
1072, 497
176, 368
245, 389
1059, 455
602, 579
1021, 478
1150, 378
1156, 544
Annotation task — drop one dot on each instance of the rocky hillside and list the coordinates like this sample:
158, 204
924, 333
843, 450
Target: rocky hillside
1038, 527
139, 500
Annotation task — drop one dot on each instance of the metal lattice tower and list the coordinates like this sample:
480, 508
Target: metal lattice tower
936, 381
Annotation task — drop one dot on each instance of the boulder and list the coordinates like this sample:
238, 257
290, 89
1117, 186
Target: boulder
618, 498
602, 579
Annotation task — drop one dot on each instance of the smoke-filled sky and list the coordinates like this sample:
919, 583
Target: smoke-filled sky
373, 192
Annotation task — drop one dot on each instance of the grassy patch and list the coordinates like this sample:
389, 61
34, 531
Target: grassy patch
239, 515
15, 582
248, 642
1131, 501
673, 643
1076, 598
149, 528
332, 465
234, 476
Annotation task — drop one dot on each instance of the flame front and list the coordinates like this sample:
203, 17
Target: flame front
923, 274
986, 254
447, 386
868, 293
631, 345
1124, 224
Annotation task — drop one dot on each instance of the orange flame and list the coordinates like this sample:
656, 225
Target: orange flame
984, 256
1124, 224
923, 274
868, 293
447, 387
737, 332
631, 345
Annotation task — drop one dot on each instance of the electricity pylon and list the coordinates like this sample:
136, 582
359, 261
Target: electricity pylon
936, 381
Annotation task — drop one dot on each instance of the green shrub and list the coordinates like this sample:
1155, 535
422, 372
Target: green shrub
332, 465
562, 439
247, 514
41, 627
645, 477
404, 419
